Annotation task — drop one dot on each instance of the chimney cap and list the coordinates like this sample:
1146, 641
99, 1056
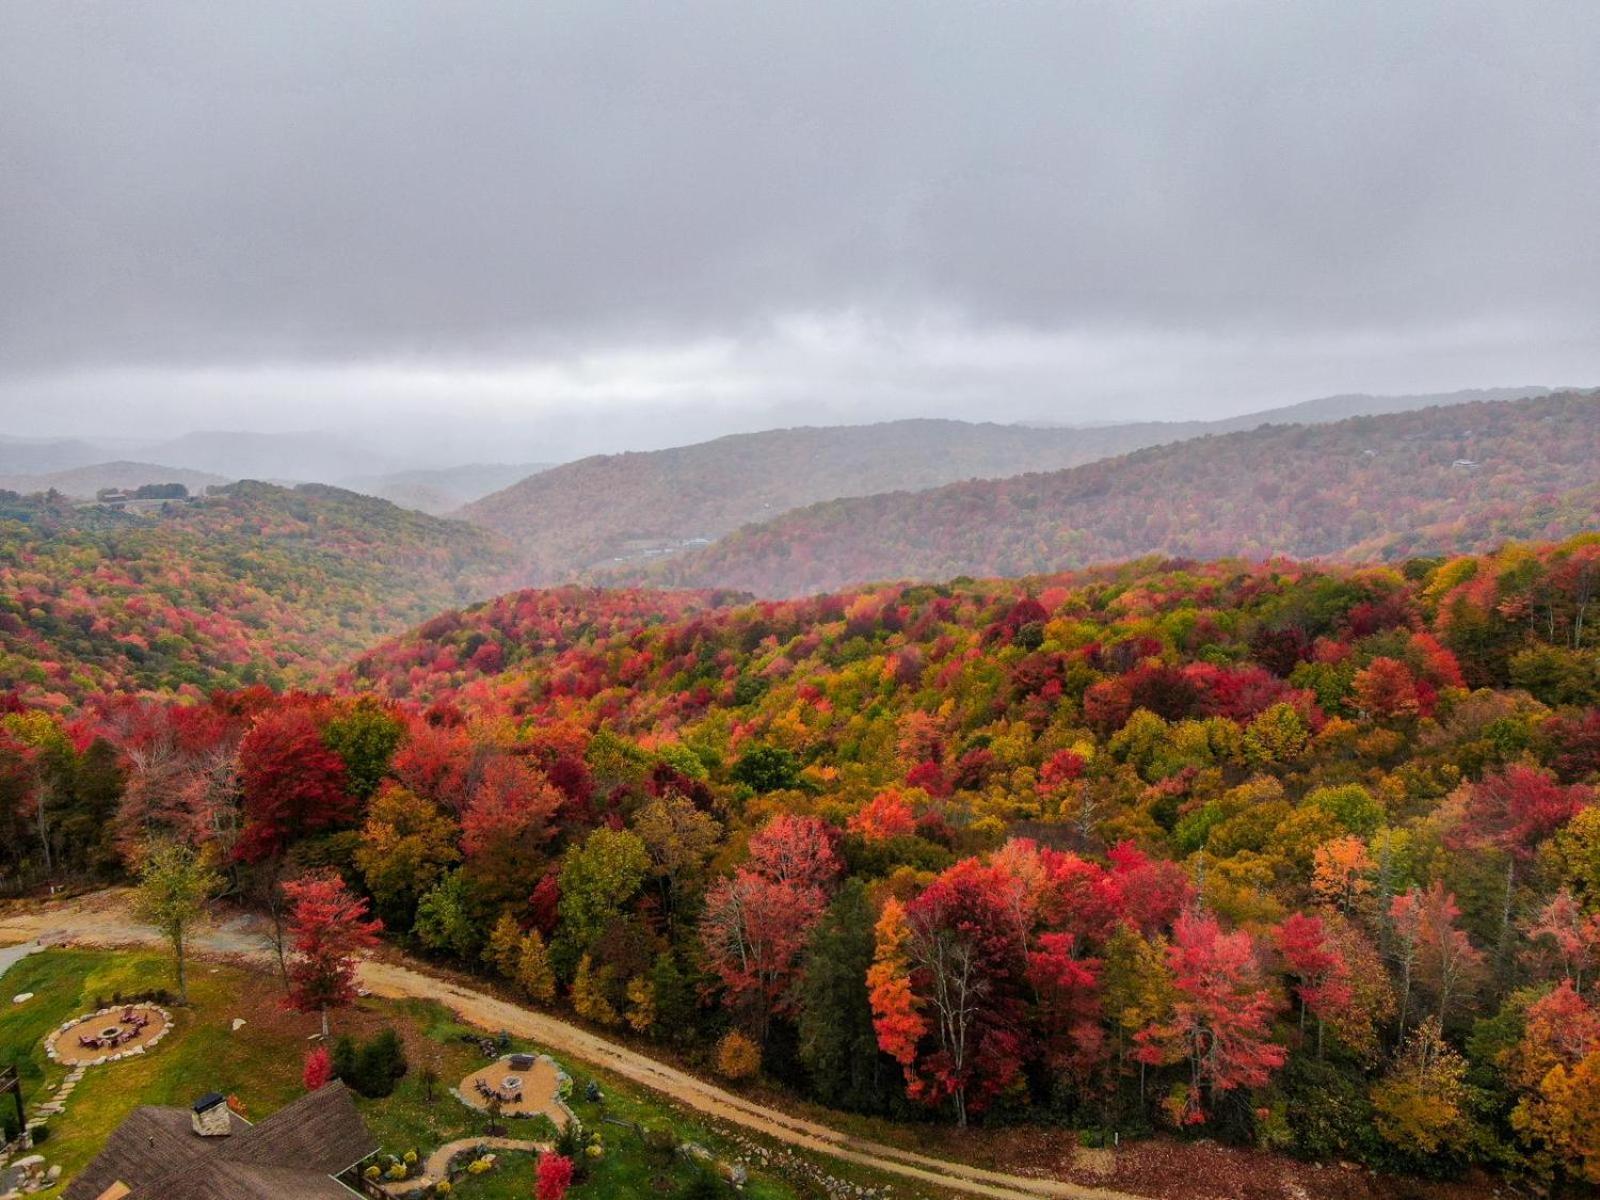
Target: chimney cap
209, 1101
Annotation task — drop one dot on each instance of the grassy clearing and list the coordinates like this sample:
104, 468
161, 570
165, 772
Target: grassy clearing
261, 1063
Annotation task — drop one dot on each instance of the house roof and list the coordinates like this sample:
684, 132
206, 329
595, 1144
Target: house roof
292, 1155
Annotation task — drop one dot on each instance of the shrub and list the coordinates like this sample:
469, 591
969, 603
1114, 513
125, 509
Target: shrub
737, 1056
661, 1143
344, 1060
318, 1069
372, 1069
554, 1177
705, 1184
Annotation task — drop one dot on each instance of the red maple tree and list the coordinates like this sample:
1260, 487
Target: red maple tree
293, 784
327, 926
1221, 1020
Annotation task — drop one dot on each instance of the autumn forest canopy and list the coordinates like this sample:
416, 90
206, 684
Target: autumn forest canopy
834, 603
1299, 854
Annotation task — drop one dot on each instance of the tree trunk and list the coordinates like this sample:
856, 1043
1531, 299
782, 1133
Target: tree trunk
277, 945
324, 1024
1505, 912
183, 980
44, 831
1405, 1003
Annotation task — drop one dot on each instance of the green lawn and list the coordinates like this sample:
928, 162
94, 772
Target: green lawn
261, 1062
626, 1168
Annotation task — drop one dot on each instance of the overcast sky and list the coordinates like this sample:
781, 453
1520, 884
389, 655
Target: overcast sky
592, 225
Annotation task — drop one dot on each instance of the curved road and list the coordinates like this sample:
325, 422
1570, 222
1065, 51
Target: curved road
103, 919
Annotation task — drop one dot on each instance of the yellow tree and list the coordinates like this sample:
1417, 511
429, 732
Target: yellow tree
534, 974
1564, 1116
1421, 1105
407, 844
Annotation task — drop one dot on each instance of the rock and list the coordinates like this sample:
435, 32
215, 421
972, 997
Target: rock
28, 1162
238, 1024
22, 997
53, 1174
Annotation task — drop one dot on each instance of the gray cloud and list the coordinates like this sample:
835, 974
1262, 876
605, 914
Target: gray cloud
752, 209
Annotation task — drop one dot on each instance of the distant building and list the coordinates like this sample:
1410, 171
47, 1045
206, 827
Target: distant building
208, 1152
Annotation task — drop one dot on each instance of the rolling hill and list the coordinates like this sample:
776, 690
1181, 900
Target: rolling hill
1432, 481
255, 583
616, 508
84, 482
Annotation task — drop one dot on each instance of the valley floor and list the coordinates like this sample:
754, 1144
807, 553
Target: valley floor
1023, 1164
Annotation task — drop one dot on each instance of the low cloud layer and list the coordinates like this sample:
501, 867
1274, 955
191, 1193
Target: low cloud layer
637, 224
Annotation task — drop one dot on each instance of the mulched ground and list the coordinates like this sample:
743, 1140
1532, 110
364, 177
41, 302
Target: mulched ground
1206, 1171
1165, 1168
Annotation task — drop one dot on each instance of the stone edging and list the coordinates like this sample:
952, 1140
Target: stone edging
563, 1090
117, 1010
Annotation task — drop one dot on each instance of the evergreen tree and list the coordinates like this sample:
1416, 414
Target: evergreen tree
674, 999
837, 1041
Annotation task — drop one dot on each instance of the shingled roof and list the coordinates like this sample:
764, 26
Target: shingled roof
292, 1155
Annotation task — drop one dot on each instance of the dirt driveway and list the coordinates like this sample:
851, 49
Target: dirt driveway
103, 919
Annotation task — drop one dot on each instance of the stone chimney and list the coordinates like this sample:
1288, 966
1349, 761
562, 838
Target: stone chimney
211, 1116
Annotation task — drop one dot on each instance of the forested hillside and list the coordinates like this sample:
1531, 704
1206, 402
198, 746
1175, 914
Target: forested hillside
1439, 480
255, 583
1303, 856
638, 507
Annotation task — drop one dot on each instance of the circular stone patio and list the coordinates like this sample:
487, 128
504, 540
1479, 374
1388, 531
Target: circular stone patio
121, 1031
527, 1085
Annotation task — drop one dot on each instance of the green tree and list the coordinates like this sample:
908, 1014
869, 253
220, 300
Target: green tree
445, 920
175, 882
767, 769
837, 1040
365, 734
1355, 808
675, 999
597, 879
407, 843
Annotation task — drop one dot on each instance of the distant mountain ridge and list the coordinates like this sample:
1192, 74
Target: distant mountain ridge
1448, 479
305, 457
598, 511
442, 490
